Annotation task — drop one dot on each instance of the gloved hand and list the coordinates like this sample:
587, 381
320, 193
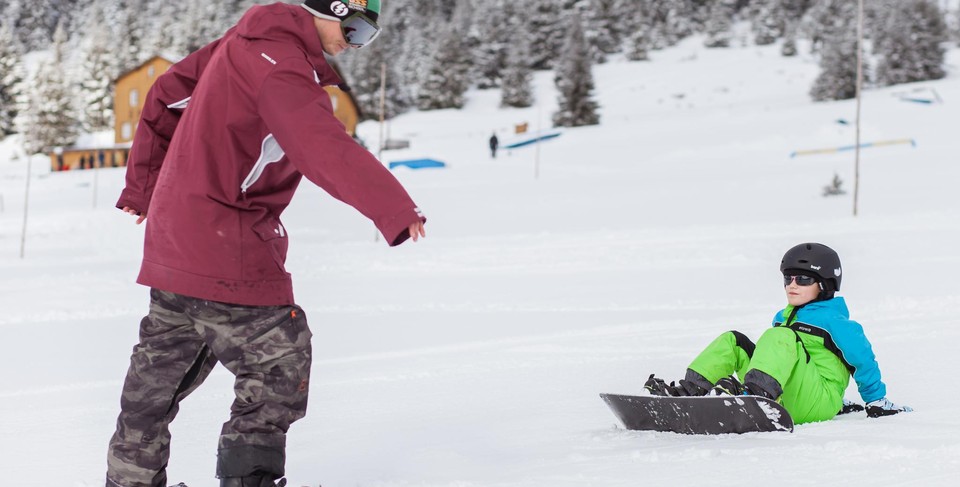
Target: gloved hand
850, 407
883, 407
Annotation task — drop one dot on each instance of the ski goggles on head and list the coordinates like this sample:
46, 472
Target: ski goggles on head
359, 30
801, 280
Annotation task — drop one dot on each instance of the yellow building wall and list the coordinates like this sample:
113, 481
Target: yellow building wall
344, 109
129, 94
131, 91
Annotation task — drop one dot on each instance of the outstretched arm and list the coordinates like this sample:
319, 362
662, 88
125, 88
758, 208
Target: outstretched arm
300, 116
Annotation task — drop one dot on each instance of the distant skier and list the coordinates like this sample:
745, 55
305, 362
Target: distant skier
259, 120
805, 361
494, 144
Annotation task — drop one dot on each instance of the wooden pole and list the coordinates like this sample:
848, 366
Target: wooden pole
856, 164
383, 117
26, 202
96, 179
536, 156
383, 104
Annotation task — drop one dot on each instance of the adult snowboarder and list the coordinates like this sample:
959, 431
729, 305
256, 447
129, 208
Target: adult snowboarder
225, 138
805, 361
494, 144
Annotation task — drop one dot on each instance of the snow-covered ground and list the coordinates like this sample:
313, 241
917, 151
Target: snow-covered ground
475, 357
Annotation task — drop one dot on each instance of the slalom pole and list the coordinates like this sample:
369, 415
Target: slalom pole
856, 164
863, 145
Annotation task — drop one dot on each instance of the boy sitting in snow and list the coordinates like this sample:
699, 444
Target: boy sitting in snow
805, 361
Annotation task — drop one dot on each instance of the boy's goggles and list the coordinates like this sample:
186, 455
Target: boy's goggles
359, 30
801, 280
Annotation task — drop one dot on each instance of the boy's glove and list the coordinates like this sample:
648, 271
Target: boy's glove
850, 407
883, 407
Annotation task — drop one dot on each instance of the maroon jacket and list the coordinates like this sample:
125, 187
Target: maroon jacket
251, 118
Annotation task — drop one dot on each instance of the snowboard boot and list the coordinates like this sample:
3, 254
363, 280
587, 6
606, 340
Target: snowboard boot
252, 481
250, 466
752, 389
658, 387
728, 386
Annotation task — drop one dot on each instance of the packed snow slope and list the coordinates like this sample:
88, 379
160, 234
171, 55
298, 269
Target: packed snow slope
475, 357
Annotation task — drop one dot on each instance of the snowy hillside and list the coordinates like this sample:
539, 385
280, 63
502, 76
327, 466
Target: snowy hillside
475, 357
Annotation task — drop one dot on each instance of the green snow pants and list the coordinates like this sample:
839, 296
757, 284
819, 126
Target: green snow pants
781, 355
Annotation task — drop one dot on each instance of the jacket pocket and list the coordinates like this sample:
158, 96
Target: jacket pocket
274, 237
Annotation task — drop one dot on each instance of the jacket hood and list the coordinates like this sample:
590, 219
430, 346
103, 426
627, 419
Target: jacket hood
836, 304
288, 24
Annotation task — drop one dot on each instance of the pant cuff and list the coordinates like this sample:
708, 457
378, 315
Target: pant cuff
699, 380
763, 380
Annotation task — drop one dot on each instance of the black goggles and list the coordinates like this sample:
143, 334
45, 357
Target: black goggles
359, 30
801, 280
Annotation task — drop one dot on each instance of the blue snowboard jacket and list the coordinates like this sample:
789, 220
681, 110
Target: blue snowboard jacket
836, 344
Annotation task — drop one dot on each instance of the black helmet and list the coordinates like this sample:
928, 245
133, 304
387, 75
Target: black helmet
817, 259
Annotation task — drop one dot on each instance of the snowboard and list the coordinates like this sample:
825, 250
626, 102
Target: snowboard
706, 415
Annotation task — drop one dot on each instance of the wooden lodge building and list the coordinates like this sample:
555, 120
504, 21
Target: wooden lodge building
130, 91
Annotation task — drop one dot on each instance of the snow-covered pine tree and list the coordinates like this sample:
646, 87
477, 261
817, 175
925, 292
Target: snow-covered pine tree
829, 19
204, 22
160, 36
11, 14
602, 26
719, 24
11, 78
789, 47
418, 34
126, 30
97, 72
956, 25
666, 20
493, 24
767, 21
364, 81
574, 80
543, 22
36, 23
49, 118
640, 26
447, 77
699, 11
838, 56
794, 10
910, 43
680, 19
515, 89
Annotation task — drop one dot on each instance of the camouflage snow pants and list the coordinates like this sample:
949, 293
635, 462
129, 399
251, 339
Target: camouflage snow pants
267, 348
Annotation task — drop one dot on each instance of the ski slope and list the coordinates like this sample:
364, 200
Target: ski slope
475, 357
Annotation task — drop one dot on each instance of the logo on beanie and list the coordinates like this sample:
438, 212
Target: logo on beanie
339, 9
358, 4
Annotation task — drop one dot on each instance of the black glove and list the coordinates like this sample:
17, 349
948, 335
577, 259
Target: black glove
850, 407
